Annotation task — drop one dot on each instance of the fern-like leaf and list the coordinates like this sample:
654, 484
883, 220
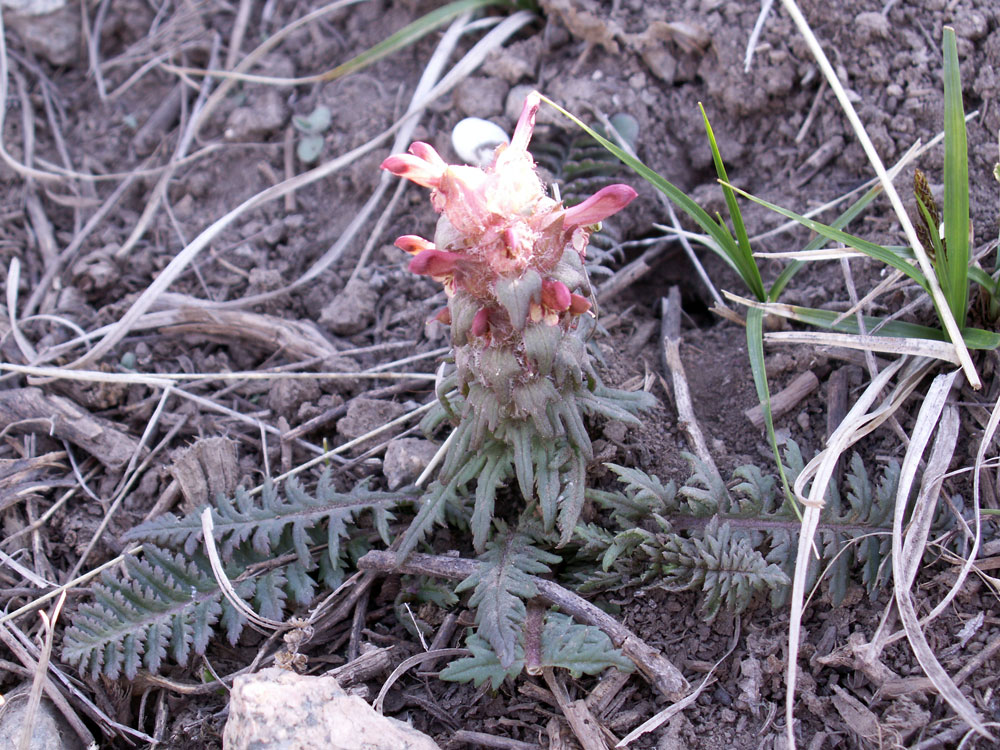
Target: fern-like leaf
167, 603
502, 582
581, 649
725, 570
483, 664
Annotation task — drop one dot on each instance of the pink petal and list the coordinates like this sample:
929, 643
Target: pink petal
413, 244
480, 323
555, 295
578, 305
526, 122
599, 206
414, 168
434, 263
443, 316
427, 152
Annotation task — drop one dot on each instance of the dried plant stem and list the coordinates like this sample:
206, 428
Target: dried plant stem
663, 675
907, 550
38, 684
670, 308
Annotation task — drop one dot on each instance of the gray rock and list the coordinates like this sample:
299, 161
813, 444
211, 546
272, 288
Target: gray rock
366, 414
288, 394
266, 114
51, 730
481, 97
405, 458
53, 35
275, 709
351, 311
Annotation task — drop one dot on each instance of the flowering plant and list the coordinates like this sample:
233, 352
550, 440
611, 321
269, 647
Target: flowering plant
511, 260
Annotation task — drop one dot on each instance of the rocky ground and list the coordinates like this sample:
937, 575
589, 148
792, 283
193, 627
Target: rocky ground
119, 155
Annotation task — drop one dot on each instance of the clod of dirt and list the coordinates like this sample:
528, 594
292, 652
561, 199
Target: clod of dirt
54, 36
351, 311
516, 61
266, 114
365, 415
288, 394
405, 458
480, 97
279, 709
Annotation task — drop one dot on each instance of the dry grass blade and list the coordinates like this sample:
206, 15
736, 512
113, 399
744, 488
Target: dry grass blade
37, 685
256, 620
884, 344
950, 325
404, 667
907, 551
13, 280
858, 423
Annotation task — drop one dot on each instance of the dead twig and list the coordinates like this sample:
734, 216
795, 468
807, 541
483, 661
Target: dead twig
786, 399
99, 437
660, 672
670, 308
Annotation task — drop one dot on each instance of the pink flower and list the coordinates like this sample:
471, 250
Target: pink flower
413, 244
499, 225
555, 295
599, 206
423, 165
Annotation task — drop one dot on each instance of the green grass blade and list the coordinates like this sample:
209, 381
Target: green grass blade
725, 244
408, 35
743, 259
870, 249
755, 349
817, 242
953, 272
987, 282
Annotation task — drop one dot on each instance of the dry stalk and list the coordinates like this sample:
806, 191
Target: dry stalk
858, 423
663, 675
907, 551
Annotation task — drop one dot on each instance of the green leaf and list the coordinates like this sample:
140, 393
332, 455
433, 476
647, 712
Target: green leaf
309, 148
725, 245
870, 249
954, 279
408, 35
502, 583
582, 649
314, 123
755, 349
516, 296
483, 665
743, 257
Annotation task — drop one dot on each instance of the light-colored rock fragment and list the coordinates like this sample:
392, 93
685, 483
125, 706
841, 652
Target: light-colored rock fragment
49, 28
51, 731
279, 710
351, 311
366, 414
405, 458
266, 114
